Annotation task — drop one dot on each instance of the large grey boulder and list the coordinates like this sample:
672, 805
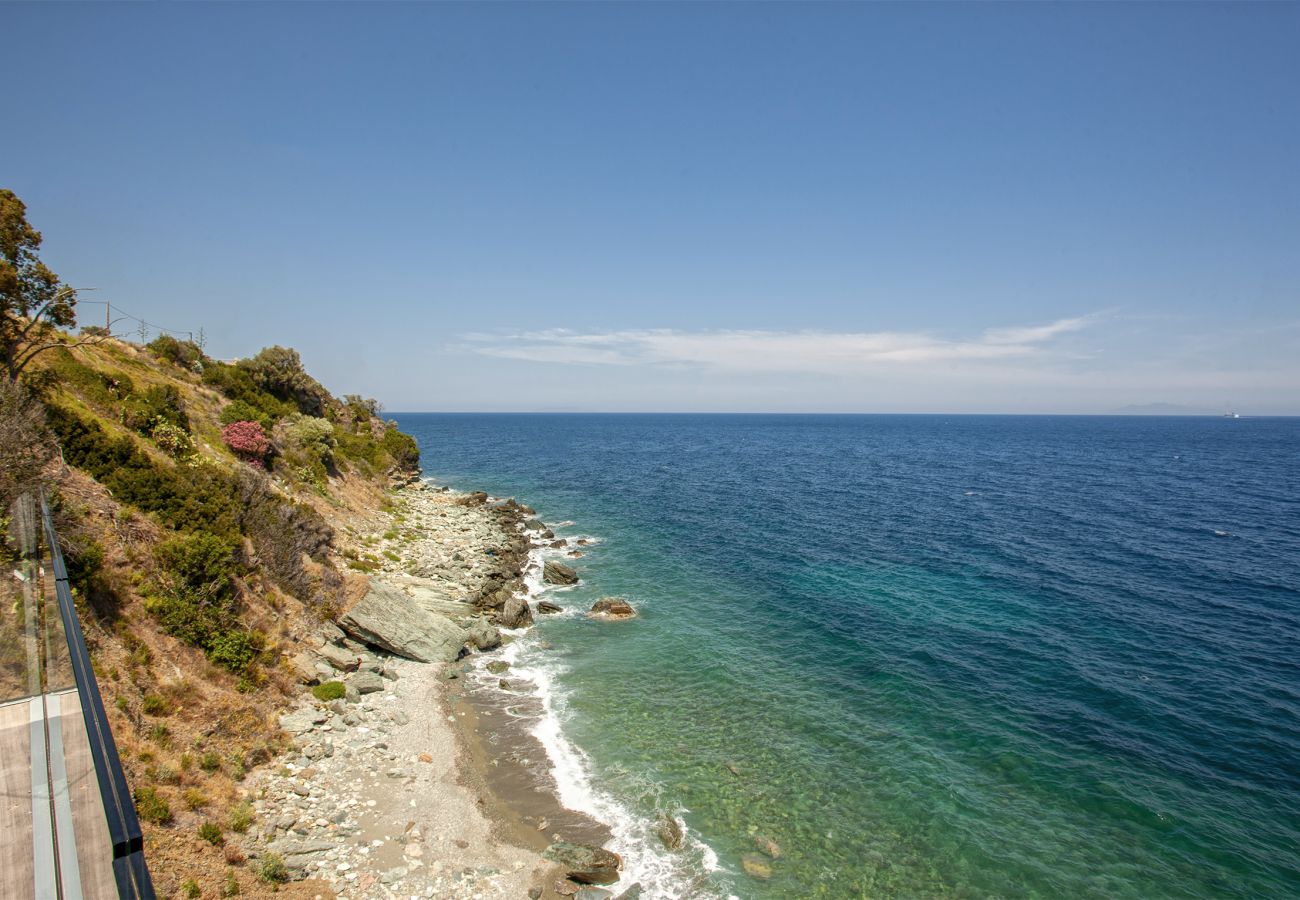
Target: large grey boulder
388, 619
515, 614
482, 635
558, 573
367, 682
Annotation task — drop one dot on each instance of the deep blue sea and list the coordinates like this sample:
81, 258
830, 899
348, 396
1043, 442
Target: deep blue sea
970, 656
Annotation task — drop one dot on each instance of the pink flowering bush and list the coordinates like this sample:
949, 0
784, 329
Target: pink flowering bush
248, 441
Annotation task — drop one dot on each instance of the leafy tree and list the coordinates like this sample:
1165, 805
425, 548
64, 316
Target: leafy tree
33, 302
279, 372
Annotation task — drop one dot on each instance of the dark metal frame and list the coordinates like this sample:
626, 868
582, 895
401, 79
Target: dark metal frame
129, 869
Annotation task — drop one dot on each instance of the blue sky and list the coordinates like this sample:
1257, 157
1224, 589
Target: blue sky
878, 208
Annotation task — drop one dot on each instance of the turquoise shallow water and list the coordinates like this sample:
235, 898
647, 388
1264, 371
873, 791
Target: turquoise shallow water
944, 656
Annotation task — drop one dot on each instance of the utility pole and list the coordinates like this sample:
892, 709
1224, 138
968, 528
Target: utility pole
108, 317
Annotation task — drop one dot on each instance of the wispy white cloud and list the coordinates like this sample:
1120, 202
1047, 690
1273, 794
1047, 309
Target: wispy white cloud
775, 351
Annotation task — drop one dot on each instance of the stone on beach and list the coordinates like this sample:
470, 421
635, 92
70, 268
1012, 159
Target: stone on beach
515, 614
482, 636
367, 682
386, 618
612, 608
340, 658
584, 863
558, 573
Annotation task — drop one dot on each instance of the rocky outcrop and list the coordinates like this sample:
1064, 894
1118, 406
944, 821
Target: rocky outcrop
386, 618
546, 607
584, 863
613, 608
558, 573
515, 614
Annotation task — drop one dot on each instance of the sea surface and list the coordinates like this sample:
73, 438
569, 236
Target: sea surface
968, 656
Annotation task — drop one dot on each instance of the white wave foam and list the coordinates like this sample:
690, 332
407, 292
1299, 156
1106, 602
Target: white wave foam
645, 860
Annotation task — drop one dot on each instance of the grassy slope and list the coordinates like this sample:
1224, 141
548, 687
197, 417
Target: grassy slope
189, 729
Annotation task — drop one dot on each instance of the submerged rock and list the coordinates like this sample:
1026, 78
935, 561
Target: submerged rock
584, 863
612, 608
546, 607
558, 573
756, 866
387, 618
768, 846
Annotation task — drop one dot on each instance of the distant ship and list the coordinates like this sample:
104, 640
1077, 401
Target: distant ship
1229, 414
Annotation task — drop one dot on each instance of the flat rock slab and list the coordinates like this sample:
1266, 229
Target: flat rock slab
389, 619
367, 682
302, 722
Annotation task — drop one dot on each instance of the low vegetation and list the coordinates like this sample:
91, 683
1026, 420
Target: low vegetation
194, 500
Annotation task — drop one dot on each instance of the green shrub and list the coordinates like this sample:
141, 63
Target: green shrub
185, 354
211, 832
401, 447
190, 889
243, 411
231, 886
195, 799
237, 384
151, 807
197, 500
234, 650
202, 562
272, 869
155, 705
210, 762
163, 775
160, 403
279, 372
174, 441
241, 818
84, 562
329, 690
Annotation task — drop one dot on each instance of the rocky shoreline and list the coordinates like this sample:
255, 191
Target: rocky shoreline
403, 782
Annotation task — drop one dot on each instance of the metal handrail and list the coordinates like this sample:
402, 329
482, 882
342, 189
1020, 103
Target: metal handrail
129, 869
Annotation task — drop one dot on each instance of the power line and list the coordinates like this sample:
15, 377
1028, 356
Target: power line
126, 315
